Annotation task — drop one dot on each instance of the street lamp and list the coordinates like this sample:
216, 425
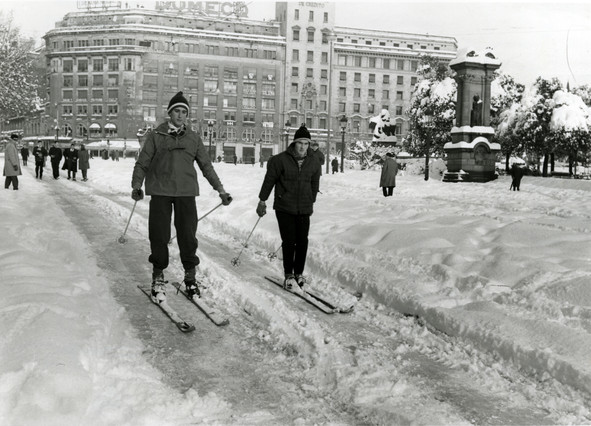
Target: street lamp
57, 133
428, 122
286, 132
343, 129
210, 130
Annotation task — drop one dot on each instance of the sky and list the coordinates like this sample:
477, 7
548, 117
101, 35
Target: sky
548, 39
498, 279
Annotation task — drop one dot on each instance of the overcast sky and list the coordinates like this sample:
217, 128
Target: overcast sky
548, 39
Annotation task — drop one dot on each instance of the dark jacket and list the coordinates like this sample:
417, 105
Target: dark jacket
166, 162
55, 154
71, 159
335, 164
24, 153
83, 160
295, 189
319, 156
389, 172
39, 154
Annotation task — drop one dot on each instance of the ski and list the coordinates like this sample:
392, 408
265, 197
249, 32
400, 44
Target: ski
332, 305
213, 314
304, 295
182, 325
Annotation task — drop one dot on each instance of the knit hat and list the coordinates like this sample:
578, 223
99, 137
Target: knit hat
178, 100
14, 136
302, 133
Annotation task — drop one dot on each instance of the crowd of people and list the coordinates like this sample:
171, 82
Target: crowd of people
74, 159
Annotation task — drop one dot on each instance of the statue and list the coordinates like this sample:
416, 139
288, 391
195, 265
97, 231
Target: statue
476, 114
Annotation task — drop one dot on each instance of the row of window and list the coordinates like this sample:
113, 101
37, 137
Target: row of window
377, 63
97, 64
296, 16
68, 110
310, 105
383, 44
371, 94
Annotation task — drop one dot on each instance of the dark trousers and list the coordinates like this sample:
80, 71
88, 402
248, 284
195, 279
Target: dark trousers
83, 174
9, 179
39, 170
55, 167
185, 223
387, 191
294, 231
72, 172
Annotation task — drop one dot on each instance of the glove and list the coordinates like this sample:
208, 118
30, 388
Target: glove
226, 198
261, 209
137, 194
15, 168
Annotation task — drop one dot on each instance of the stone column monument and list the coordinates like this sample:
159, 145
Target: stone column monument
471, 156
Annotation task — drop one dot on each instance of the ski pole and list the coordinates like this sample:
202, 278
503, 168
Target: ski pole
273, 256
236, 260
200, 219
122, 238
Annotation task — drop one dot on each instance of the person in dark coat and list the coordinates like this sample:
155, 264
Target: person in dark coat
388, 176
295, 176
335, 165
12, 167
317, 153
55, 154
235, 159
167, 165
25, 154
40, 153
83, 162
516, 173
71, 162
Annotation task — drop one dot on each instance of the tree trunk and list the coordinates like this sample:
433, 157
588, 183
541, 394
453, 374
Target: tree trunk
507, 165
552, 162
545, 166
570, 164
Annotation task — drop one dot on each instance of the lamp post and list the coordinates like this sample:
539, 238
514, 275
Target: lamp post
209, 130
286, 133
428, 120
57, 133
343, 130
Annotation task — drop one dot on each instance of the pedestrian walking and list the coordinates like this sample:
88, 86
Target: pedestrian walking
25, 154
83, 162
12, 167
388, 176
335, 165
40, 154
517, 173
295, 176
55, 155
235, 159
317, 153
71, 161
166, 163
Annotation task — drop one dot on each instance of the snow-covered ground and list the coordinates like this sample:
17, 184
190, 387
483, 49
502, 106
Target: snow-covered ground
500, 282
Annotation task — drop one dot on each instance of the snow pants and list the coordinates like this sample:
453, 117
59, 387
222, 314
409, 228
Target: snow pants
294, 231
185, 223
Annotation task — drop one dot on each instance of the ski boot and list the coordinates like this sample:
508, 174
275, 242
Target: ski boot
301, 280
158, 287
191, 284
289, 282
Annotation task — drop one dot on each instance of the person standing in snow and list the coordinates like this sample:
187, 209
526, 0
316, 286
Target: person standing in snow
83, 162
55, 154
295, 175
71, 161
166, 162
335, 165
388, 176
12, 167
40, 153
25, 154
317, 153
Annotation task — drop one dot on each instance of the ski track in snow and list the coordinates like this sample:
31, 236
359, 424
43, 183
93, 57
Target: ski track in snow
282, 361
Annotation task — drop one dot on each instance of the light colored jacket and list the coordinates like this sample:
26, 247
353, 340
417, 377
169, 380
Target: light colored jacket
11, 160
166, 162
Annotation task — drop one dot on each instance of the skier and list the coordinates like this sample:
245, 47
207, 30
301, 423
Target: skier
295, 175
166, 162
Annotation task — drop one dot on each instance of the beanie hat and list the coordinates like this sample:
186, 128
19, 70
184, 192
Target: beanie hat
14, 136
302, 133
178, 100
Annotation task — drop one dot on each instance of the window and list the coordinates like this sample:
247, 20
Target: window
268, 103
97, 80
98, 42
311, 16
294, 71
68, 81
67, 110
113, 94
296, 35
211, 101
83, 81
296, 14
400, 64
356, 93
269, 54
413, 81
68, 65
386, 79
114, 64
323, 106
310, 36
323, 89
230, 51
371, 62
249, 103
357, 76
372, 78
130, 41
309, 72
68, 44
400, 80
230, 87
113, 42
436, 48
398, 110
371, 93
82, 95
310, 56
295, 55
97, 94
82, 130
414, 65
295, 88
342, 106
128, 64
210, 86
386, 63
82, 65
83, 43
399, 95
324, 38
325, 20
342, 60
97, 110
249, 89
356, 108
410, 46
113, 80
322, 123
357, 61
230, 102
149, 113
293, 104
368, 42
342, 91
112, 109
371, 108
343, 76
324, 73
324, 58
385, 94
97, 64
423, 47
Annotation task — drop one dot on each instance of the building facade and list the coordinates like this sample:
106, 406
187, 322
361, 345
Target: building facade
112, 70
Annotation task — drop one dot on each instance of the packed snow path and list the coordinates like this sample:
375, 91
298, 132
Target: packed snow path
284, 360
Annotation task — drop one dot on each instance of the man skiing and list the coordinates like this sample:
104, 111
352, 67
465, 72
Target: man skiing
295, 175
166, 162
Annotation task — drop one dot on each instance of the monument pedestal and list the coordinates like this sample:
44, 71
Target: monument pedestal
472, 161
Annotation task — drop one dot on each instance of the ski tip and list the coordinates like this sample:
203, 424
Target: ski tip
185, 327
223, 323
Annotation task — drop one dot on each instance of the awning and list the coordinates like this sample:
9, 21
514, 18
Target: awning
110, 126
95, 126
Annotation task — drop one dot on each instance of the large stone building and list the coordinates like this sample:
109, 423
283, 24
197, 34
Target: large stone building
111, 71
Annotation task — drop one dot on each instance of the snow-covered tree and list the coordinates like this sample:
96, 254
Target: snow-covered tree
18, 80
432, 110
